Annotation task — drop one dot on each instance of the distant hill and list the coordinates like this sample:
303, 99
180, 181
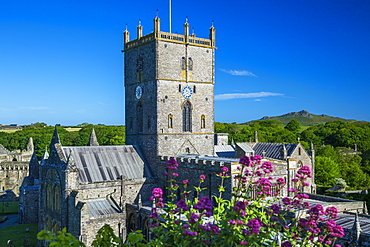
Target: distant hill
305, 118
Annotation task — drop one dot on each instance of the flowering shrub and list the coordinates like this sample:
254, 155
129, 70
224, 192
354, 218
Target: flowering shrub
242, 220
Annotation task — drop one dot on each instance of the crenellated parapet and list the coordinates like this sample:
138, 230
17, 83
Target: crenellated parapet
186, 38
14, 166
200, 162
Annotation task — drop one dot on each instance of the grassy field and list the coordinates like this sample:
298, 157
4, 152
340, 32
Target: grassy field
12, 208
70, 129
9, 131
18, 234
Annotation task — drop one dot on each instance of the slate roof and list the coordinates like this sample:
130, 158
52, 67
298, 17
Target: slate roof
3, 150
225, 151
100, 207
273, 150
245, 147
107, 163
346, 220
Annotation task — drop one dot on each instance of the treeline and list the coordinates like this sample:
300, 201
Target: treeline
42, 134
335, 143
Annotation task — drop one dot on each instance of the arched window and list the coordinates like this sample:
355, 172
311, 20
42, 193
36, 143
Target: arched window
190, 64
149, 122
130, 122
139, 116
131, 225
187, 150
170, 121
202, 122
146, 229
57, 197
186, 117
183, 63
48, 195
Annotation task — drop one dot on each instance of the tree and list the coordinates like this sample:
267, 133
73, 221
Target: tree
326, 170
293, 126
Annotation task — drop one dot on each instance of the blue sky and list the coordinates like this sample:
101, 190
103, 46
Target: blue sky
60, 61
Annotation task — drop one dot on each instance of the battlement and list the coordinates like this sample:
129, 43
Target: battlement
13, 166
170, 37
201, 162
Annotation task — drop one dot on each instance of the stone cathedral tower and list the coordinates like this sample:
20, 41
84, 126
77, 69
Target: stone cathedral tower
169, 92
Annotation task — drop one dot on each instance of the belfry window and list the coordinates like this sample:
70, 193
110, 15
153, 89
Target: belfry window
183, 63
170, 121
202, 122
190, 64
139, 116
186, 117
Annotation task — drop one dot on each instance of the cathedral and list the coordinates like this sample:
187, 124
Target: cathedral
169, 98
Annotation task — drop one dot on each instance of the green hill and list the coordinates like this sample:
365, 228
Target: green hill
305, 118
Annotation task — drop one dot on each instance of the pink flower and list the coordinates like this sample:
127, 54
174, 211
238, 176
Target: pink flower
185, 181
157, 192
202, 177
224, 169
175, 174
243, 242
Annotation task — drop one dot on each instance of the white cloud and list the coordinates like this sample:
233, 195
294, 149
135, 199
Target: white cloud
228, 96
34, 108
257, 100
239, 72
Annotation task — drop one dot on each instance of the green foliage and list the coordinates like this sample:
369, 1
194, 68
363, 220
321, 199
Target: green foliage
340, 182
326, 170
106, 237
62, 239
293, 125
268, 131
135, 239
42, 134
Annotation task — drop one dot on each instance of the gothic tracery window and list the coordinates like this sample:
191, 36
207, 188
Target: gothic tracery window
186, 117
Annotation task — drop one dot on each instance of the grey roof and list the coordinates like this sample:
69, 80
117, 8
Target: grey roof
245, 147
100, 207
3, 150
106, 163
273, 150
225, 151
346, 220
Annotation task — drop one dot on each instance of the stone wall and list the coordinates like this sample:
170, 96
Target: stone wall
12, 174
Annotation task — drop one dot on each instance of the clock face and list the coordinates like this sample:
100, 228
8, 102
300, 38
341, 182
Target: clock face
138, 92
187, 92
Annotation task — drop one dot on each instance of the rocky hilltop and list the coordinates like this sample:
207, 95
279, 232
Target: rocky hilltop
305, 118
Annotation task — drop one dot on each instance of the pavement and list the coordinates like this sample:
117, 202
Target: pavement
11, 221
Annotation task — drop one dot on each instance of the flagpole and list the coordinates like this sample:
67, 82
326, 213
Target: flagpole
170, 16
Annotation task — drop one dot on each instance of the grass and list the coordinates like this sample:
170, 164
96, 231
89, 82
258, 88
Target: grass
71, 129
10, 131
18, 233
12, 208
